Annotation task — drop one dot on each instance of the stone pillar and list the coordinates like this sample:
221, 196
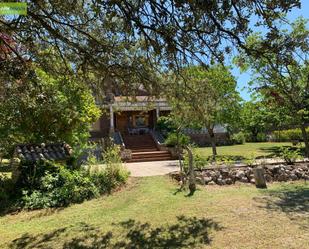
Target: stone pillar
260, 181
111, 116
157, 112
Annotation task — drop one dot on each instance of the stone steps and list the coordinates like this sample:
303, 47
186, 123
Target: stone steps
144, 149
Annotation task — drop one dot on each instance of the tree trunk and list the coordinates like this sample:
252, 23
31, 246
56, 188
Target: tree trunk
305, 137
192, 185
213, 142
182, 179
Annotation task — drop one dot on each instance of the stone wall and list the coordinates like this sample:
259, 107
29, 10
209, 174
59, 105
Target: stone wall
231, 175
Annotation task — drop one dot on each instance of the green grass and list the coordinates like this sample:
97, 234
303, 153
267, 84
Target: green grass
148, 213
245, 151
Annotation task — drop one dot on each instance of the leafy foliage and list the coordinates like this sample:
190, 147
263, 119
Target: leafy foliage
46, 184
281, 74
120, 37
205, 98
199, 162
238, 138
60, 189
177, 139
46, 108
289, 155
288, 135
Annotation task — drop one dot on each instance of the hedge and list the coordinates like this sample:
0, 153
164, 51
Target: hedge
288, 135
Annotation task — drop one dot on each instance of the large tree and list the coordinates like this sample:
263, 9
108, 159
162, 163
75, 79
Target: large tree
207, 96
120, 39
282, 74
41, 107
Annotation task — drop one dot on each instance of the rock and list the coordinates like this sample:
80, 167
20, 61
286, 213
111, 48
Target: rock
252, 181
251, 176
283, 177
268, 178
293, 177
228, 181
200, 180
240, 174
225, 172
219, 181
212, 183
243, 179
207, 179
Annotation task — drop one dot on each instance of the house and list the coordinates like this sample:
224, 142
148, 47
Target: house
131, 121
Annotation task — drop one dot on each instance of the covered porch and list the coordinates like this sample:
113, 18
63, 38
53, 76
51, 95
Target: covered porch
129, 116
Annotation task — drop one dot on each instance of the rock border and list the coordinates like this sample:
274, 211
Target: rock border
244, 174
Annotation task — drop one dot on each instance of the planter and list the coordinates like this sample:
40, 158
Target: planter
126, 154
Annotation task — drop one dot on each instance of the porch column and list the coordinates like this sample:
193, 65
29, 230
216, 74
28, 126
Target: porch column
158, 112
111, 116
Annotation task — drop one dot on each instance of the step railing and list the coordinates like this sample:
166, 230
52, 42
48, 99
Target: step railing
117, 138
158, 138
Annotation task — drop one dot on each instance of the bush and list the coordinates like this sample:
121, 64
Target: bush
289, 155
174, 139
60, 189
110, 175
31, 173
4, 196
238, 138
165, 125
260, 137
288, 135
199, 162
47, 184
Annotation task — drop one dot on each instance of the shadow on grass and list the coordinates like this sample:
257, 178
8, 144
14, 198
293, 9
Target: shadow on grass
186, 232
224, 158
274, 151
292, 200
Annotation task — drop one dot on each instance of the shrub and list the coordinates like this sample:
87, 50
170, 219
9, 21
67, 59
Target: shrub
46, 184
289, 155
174, 139
199, 162
238, 138
165, 125
60, 189
288, 135
31, 173
113, 174
4, 196
260, 137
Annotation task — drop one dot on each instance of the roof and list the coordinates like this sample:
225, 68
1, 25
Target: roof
138, 99
36, 152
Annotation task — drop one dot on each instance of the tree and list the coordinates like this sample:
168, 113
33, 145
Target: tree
208, 97
282, 74
45, 108
123, 38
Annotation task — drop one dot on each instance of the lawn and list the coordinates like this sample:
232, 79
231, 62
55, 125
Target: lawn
245, 151
149, 213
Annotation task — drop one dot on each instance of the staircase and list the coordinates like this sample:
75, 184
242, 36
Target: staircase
144, 149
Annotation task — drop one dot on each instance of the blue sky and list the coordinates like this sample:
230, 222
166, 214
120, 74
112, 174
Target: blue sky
244, 78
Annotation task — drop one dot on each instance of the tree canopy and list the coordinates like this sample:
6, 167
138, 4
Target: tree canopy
45, 108
205, 98
121, 39
282, 74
